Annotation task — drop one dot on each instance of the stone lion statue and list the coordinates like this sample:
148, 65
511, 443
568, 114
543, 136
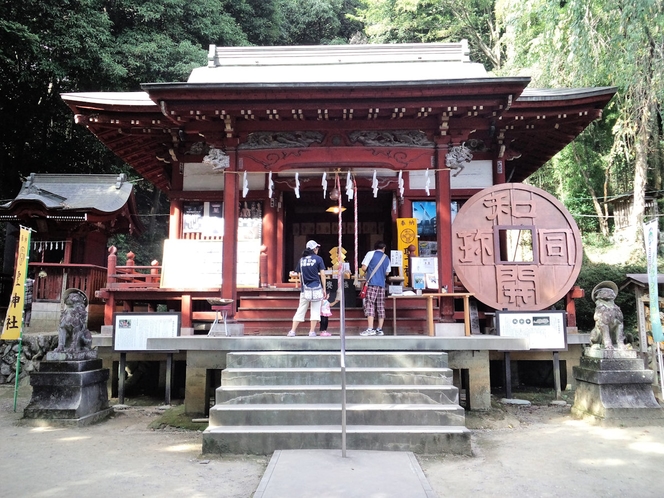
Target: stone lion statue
73, 334
608, 331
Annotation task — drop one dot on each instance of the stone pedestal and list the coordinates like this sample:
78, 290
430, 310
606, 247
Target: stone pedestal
69, 392
613, 388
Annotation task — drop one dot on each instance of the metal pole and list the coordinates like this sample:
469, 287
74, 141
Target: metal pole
18, 366
342, 322
556, 375
661, 372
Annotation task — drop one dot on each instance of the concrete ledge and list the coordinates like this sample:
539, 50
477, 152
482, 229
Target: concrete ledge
386, 343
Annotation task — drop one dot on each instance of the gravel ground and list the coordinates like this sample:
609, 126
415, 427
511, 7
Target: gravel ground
534, 451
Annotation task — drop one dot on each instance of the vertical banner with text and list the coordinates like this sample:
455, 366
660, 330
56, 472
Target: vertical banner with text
406, 236
650, 237
11, 329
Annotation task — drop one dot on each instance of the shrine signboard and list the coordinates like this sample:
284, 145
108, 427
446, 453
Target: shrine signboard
516, 247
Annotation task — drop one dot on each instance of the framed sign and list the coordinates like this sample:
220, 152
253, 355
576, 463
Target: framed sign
546, 330
131, 331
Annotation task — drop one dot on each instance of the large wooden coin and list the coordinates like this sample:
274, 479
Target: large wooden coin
516, 247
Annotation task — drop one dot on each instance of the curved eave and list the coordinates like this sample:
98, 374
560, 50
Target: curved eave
568, 112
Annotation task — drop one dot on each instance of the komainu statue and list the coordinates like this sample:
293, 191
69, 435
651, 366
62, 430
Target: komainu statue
73, 334
608, 331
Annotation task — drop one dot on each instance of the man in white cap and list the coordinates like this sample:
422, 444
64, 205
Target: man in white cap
312, 287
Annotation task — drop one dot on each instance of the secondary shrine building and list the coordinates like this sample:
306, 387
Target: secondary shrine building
251, 147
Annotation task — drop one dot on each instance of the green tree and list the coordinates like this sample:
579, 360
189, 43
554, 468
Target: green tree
420, 21
601, 43
318, 22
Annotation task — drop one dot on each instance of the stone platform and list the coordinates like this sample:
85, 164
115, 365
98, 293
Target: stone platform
614, 388
69, 393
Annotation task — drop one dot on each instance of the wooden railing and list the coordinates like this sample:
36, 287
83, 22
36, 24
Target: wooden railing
51, 279
131, 276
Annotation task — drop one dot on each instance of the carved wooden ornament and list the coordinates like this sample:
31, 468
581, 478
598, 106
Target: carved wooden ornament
516, 247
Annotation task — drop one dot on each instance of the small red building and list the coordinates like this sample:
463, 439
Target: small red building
72, 218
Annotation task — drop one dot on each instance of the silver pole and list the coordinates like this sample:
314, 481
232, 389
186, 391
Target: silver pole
661, 372
342, 324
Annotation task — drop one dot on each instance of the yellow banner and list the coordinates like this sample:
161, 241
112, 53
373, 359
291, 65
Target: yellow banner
11, 330
406, 236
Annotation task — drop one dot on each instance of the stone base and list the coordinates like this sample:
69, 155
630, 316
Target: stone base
613, 388
69, 393
88, 354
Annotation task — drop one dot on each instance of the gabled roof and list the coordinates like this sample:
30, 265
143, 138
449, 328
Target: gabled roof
330, 64
63, 195
434, 88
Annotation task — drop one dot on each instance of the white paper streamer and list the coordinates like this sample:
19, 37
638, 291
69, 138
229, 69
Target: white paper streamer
270, 185
245, 185
297, 185
324, 184
374, 185
427, 183
349, 186
401, 183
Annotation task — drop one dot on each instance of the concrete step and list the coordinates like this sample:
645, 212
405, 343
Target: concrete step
264, 440
330, 413
322, 359
332, 376
443, 394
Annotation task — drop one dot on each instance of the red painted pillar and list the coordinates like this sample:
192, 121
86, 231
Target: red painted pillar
444, 229
231, 213
270, 240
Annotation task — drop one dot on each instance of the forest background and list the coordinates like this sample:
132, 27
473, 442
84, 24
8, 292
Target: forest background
49, 47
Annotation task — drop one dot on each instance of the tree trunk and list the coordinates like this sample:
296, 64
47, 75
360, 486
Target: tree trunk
640, 177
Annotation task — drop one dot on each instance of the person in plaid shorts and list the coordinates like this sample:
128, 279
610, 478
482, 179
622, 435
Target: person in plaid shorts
374, 303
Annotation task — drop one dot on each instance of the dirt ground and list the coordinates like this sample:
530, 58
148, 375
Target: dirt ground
534, 451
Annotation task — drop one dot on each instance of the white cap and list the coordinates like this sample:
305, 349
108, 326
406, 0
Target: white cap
312, 244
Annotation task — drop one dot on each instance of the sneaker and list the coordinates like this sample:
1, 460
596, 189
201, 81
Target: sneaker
379, 332
291, 333
312, 334
325, 334
368, 332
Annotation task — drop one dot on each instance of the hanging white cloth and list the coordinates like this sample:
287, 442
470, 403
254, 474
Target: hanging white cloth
401, 183
349, 187
427, 183
374, 185
297, 185
270, 185
245, 185
324, 184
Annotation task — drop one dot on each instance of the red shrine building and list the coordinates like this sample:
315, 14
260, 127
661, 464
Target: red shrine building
254, 147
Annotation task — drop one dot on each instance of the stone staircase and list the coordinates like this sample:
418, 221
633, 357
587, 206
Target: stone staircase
398, 401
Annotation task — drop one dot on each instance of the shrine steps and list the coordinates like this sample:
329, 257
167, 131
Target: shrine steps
395, 401
268, 311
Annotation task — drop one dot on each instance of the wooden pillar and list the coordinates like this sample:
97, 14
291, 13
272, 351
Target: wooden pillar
231, 212
444, 235
185, 310
66, 259
270, 240
278, 254
109, 306
175, 219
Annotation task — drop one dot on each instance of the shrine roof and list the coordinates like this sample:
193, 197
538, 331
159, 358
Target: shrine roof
101, 193
338, 64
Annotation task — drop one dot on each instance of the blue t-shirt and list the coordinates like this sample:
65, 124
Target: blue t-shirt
309, 269
378, 278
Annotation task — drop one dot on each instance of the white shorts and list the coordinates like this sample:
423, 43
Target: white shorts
302, 310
